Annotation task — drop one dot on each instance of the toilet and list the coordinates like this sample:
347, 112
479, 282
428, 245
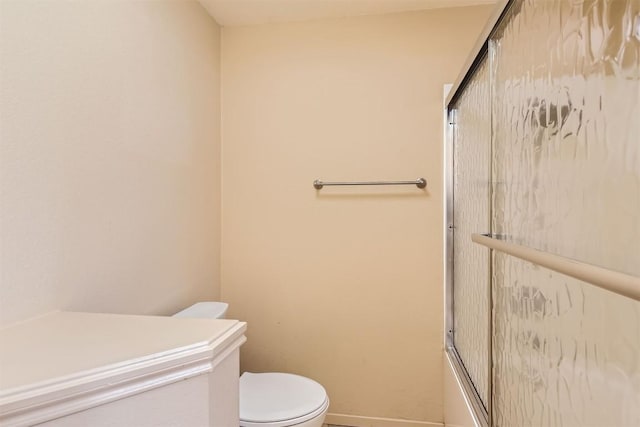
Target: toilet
271, 399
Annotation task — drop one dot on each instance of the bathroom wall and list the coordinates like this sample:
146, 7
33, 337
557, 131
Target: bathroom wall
109, 156
343, 285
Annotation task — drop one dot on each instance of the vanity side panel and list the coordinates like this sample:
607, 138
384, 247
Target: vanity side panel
225, 391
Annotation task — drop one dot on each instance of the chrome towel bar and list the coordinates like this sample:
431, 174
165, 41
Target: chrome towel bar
420, 183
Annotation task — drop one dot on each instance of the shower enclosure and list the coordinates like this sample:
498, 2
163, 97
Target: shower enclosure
543, 216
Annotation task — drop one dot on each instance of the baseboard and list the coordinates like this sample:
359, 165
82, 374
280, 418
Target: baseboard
358, 421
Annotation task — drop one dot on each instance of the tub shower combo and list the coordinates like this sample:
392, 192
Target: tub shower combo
543, 216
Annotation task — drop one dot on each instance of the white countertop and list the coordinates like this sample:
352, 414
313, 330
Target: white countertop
66, 344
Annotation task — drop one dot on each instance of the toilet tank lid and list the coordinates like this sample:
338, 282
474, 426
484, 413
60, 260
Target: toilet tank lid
205, 310
273, 396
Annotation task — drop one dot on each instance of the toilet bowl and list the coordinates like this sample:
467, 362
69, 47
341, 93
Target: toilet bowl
275, 399
271, 399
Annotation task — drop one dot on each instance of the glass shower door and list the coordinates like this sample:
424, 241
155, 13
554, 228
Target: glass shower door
471, 192
566, 164
546, 159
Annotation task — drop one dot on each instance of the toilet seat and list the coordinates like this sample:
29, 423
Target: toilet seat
278, 400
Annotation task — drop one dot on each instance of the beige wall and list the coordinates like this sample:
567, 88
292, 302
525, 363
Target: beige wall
342, 285
109, 156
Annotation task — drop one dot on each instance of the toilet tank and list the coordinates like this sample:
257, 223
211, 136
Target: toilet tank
205, 310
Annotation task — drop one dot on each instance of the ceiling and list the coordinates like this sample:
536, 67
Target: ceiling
251, 12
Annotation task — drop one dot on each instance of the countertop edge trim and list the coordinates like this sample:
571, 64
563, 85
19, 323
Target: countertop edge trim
66, 395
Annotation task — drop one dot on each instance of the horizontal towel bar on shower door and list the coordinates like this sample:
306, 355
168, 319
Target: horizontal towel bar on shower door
620, 283
420, 183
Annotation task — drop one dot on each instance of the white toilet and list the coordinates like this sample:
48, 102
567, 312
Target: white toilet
271, 399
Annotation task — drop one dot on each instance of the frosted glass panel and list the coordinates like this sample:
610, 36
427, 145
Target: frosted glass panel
566, 353
566, 159
567, 130
472, 168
